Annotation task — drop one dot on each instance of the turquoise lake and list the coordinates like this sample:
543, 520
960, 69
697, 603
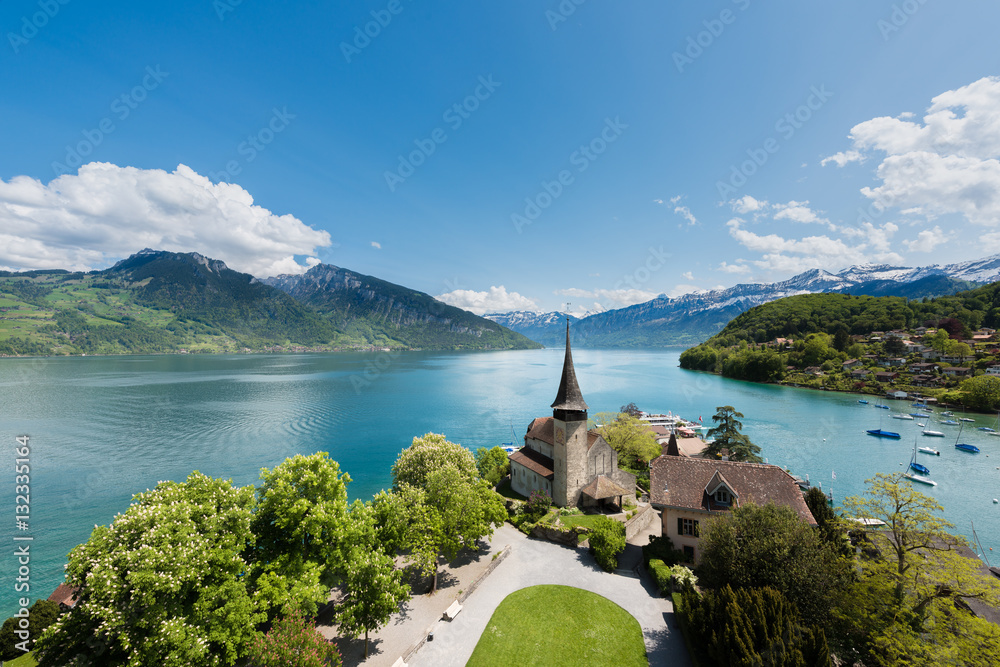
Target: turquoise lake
104, 428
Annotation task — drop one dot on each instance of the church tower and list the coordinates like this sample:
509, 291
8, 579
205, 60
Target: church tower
569, 451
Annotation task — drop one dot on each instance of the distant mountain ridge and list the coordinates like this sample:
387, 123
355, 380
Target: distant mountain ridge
692, 318
158, 301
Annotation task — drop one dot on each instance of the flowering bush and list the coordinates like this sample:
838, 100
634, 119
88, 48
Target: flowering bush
294, 642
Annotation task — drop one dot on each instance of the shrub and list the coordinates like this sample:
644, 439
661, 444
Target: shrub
607, 541
661, 574
41, 615
538, 505
294, 642
683, 577
662, 548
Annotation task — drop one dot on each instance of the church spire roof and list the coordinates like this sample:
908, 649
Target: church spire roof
569, 397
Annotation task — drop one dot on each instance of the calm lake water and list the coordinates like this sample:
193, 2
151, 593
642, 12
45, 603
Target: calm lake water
104, 428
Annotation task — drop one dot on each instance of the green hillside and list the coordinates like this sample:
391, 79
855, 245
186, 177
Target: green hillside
157, 302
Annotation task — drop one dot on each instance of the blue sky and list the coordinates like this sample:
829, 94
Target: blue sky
586, 152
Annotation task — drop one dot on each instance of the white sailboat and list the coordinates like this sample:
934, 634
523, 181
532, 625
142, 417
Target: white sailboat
917, 472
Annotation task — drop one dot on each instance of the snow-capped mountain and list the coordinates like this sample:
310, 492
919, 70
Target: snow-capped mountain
691, 318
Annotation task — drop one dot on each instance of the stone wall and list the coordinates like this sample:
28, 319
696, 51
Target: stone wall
640, 522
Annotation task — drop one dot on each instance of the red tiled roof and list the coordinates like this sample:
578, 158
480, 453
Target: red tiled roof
64, 594
534, 461
543, 428
679, 481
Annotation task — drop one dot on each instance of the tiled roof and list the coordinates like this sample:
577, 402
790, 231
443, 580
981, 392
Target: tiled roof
64, 594
543, 428
678, 481
602, 487
534, 461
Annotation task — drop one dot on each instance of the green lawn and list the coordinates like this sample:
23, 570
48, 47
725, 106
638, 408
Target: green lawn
585, 520
559, 625
504, 490
26, 660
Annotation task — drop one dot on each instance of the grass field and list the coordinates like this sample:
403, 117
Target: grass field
26, 660
559, 625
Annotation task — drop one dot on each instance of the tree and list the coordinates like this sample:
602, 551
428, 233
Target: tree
939, 340
958, 348
293, 641
41, 615
632, 439
163, 584
631, 409
374, 590
894, 346
907, 604
830, 527
427, 454
300, 522
451, 513
726, 435
981, 392
607, 541
759, 546
492, 464
751, 626
841, 340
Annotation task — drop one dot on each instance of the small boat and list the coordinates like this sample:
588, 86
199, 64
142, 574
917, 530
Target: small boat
920, 479
922, 471
910, 417
929, 450
933, 434
921, 424
879, 433
967, 448
987, 429
921, 415
948, 422
862, 402
884, 407
966, 419
948, 413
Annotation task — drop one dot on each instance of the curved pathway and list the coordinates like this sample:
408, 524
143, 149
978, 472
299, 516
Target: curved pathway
532, 562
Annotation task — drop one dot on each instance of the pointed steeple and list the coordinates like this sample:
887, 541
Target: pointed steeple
672, 448
569, 398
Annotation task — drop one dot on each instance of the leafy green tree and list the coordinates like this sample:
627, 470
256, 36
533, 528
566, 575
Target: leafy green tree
41, 615
752, 626
894, 346
163, 584
726, 434
300, 523
451, 513
981, 392
841, 340
293, 641
906, 606
492, 464
828, 523
375, 590
631, 409
759, 546
607, 541
427, 454
632, 439
939, 340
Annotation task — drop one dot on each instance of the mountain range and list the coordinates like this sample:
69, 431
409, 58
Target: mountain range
692, 318
158, 301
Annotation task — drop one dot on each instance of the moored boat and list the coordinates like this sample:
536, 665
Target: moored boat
966, 419
948, 422
883, 434
920, 479
862, 402
910, 417
921, 415
967, 448
929, 450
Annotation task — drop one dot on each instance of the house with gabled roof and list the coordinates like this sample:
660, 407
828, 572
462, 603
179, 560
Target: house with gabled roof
690, 491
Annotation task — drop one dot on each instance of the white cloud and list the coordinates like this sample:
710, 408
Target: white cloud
948, 162
609, 298
494, 300
675, 199
658, 201
105, 212
734, 268
797, 211
747, 204
687, 275
685, 213
377, 245
927, 240
842, 159
796, 255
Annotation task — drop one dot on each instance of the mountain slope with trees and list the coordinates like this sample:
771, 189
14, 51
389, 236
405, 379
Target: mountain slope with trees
157, 301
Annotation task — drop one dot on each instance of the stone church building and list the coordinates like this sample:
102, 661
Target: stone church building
560, 456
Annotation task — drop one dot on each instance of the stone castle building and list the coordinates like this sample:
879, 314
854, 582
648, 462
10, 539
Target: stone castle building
572, 464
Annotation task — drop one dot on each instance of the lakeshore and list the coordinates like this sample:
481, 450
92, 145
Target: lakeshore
103, 429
